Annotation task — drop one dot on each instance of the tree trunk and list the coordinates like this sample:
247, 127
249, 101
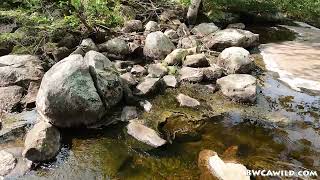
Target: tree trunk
193, 11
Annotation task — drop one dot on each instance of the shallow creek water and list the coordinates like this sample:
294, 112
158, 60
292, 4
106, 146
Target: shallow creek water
282, 131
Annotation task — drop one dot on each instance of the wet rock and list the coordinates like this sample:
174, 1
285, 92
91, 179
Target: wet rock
191, 74
239, 87
129, 79
170, 81
172, 34
151, 26
138, 70
183, 30
193, 11
188, 42
196, 60
149, 86
146, 105
115, 46
212, 73
70, 76
42, 142
145, 134
10, 98
132, 26
7, 163
236, 26
176, 57
20, 70
157, 45
235, 60
16, 125
203, 164
204, 29
23, 165
129, 113
157, 70
227, 171
187, 101
231, 37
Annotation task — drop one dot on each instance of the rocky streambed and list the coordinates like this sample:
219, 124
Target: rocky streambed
265, 125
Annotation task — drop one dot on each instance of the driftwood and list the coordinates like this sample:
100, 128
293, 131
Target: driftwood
193, 11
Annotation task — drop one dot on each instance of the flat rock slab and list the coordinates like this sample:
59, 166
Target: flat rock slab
145, 134
187, 101
239, 87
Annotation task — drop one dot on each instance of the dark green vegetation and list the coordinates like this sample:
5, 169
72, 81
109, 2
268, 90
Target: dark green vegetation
303, 10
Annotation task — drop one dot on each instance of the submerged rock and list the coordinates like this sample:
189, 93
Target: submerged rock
129, 113
187, 101
145, 134
239, 87
196, 60
203, 164
191, 74
157, 45
230, 37
204, 29
7, 163
235, 60
42, 142
227, 171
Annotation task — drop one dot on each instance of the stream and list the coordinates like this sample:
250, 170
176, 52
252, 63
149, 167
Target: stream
281, 131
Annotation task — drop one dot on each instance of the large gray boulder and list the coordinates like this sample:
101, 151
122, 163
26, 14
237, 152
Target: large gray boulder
204, 29
78, 91
157, 45
67, 96
239, 87
145, 134
230, 37
42, 142
20, 70
235, 60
